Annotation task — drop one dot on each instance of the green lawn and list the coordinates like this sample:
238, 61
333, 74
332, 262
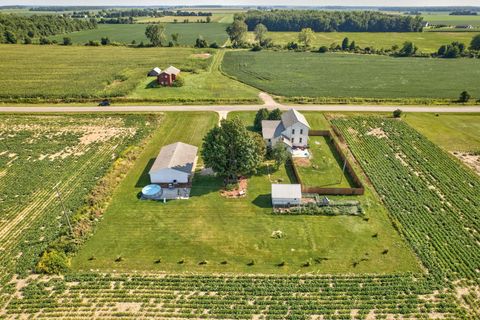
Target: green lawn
452, 132
204, 86
324, 169
126, 33
445, 18
426, 41
345, 76
211, 228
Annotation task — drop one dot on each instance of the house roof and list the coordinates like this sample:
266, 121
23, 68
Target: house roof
272, 128
157, 70
172, 70
177, 156
291, 117
286, 191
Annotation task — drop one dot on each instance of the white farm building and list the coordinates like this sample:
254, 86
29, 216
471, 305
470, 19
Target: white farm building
286, 195
175, 164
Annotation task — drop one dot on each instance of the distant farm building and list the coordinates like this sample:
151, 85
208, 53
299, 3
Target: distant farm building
286, 195
155, 72
464, 27
168, 76
292, 130
174, 165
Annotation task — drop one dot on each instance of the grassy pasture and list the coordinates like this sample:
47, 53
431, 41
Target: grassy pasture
445, 18
216, 17
314, 75
209, 227
126, 33
426, 41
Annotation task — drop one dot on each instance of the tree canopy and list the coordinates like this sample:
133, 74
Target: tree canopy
156, 34
237, 32
475, 44
328, 21
306, 36
231, 151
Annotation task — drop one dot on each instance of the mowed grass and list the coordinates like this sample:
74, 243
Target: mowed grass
445, 18
210, 228
293, 74
425, 41
126, 33
49, 72
453, 132
202, 86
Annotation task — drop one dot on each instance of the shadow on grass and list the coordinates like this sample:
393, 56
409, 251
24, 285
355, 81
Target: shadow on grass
144, 178
203, 185
263, 201
152, 85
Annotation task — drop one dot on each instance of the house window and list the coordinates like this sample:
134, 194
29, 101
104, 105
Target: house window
300, 140
293, 131
269, 140
301, 132
293, 140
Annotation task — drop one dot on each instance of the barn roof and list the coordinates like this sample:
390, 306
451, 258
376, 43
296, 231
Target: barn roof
286, 191
172, 70
272, 128
291, 117
177, 156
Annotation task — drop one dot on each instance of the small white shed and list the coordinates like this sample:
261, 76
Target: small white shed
175, 164
286, 195
155, 72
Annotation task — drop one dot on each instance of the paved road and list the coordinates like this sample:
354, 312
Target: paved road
223, 109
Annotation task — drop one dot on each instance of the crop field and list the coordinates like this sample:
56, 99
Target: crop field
210, 228
216, 17
445, 18
126, 33
344, 76
448, 287
426, 41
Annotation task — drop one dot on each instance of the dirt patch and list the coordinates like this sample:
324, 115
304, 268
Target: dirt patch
352, 131
302, 162
377, 132
239, 192
207, 172
201, 55
470, 159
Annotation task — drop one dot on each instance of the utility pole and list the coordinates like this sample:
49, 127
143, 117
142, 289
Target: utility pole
64, 208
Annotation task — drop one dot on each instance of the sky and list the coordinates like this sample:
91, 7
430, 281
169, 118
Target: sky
248, 2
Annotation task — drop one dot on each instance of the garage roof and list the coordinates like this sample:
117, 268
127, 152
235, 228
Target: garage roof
178, 156
286, 191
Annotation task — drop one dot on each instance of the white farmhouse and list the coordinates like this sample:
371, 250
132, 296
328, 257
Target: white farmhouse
291, 130
286, 195
175, 164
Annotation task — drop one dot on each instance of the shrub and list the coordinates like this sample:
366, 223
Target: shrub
397, 113
27, 40
323, 49
214, 45
179, 82
256, 48
53, 262
92, 43
45, 41
105, 41
464, 97
231, 186
67, 41
292, 46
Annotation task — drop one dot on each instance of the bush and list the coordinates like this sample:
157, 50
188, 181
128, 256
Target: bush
45, 41
53, 262
214, 45
231, 186
292, 46
105, 41
256, 48
179, 82
323, 49
27, 40
397, 113
92, 43
464, 97
67, 41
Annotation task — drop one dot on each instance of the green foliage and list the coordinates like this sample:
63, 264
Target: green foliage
53, 262
201, 43
67, 41
306, 36
179, 82
323, 49
230, 150
475, 44
280, 154
156, 34
464, 97
260, 32
409, 49
10, 37
345, 44
453, 50
397, 113
105, 41
262, 114
237, 32
276, 114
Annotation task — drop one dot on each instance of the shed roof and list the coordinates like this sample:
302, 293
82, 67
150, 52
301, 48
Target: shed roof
286, 191
272, 128
291, 117
177, 156
172, 70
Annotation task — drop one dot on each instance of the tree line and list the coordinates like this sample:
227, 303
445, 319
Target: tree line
329, 21
15, 29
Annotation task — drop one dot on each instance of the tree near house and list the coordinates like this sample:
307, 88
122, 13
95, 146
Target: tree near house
276, 114
280, 154
231, 151
261, 115
237, 32
306, 36
156, 34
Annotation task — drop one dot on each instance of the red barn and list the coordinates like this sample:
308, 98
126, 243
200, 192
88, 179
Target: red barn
168, 76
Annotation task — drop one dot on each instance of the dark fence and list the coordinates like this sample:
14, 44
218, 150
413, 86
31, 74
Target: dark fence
358, 188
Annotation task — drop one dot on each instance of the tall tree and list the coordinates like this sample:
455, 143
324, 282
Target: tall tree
276, 114
156, 34
306, 36
175, 37
345, 44
230, 150
261, 115
280, 154
475, 44
408, 49
237, 32
260, 33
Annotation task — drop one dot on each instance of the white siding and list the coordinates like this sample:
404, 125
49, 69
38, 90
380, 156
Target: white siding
168, 176
285, 201
297, 131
